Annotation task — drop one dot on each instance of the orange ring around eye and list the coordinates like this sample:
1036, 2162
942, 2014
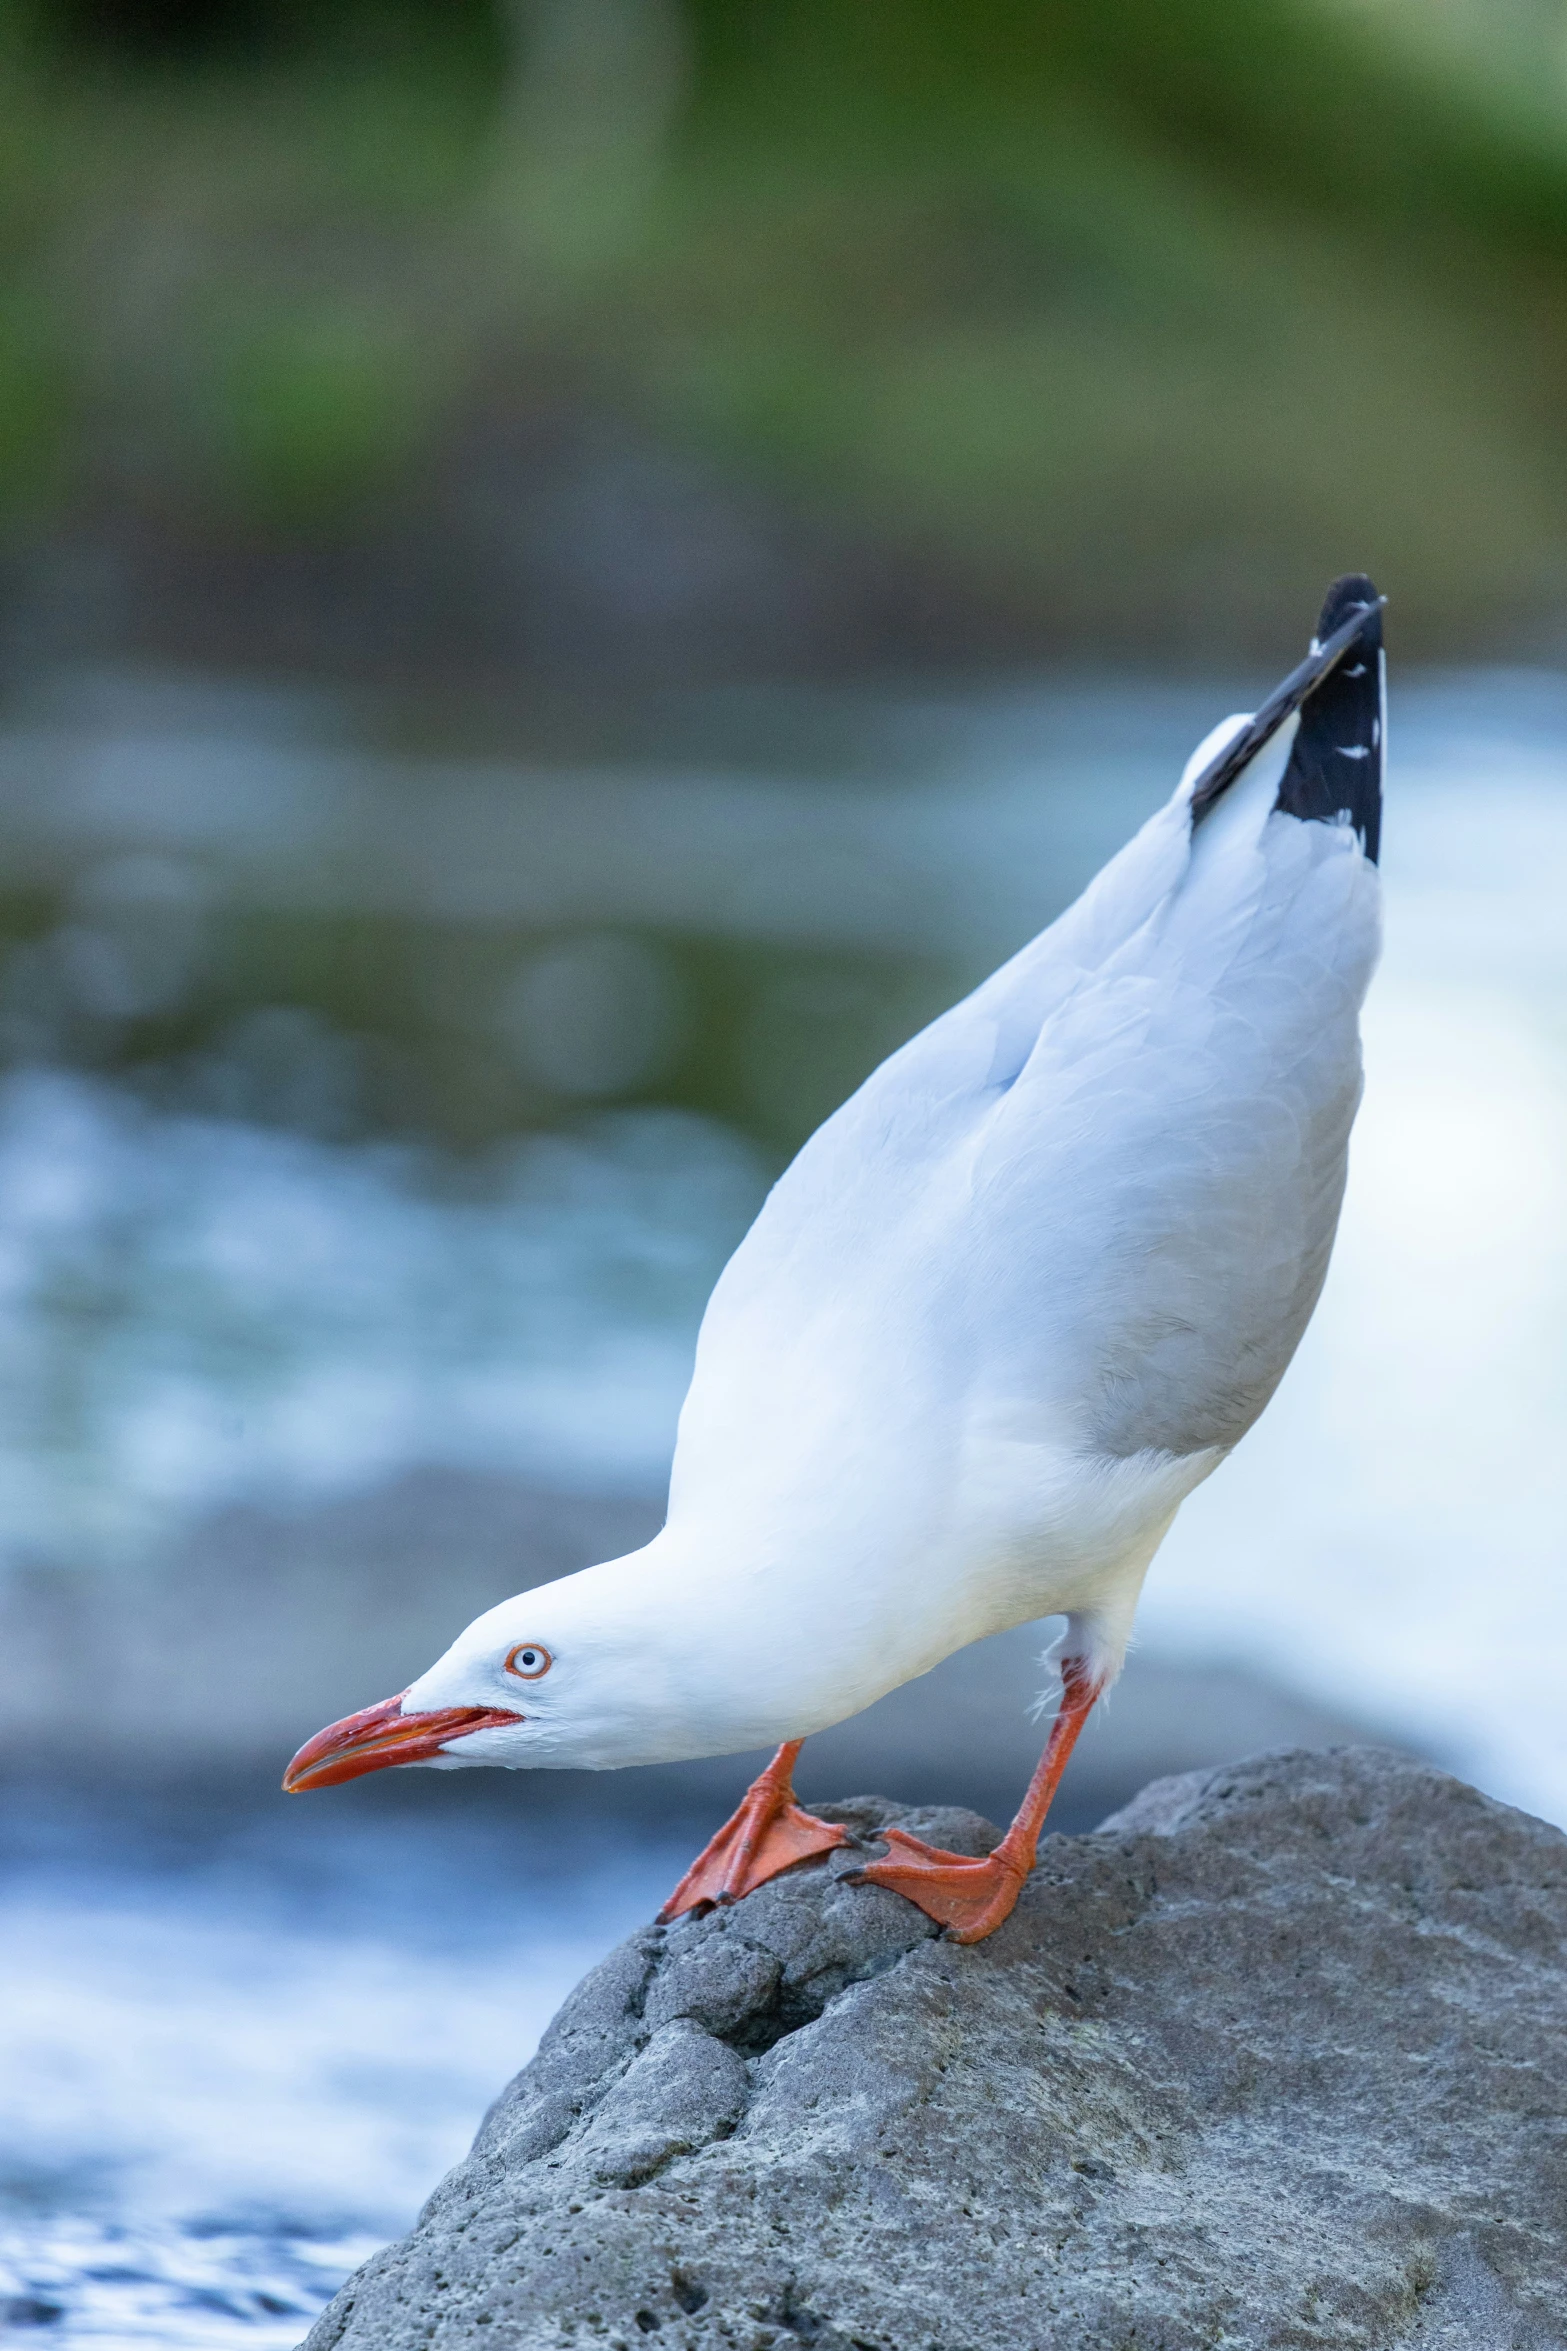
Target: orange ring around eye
529, 1673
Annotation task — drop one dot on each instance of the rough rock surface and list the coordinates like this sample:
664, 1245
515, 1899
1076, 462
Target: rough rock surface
1276, 2057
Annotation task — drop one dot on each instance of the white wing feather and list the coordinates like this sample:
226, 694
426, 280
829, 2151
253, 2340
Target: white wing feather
1125, 1151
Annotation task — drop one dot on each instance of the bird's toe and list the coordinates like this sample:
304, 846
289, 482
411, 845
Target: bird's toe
969, 1898
751, 1847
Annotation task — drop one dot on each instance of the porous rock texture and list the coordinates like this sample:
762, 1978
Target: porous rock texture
1278, 2056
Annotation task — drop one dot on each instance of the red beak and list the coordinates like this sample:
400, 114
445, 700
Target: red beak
379, 1735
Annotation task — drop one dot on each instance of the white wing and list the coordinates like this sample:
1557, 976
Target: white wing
1103, 1189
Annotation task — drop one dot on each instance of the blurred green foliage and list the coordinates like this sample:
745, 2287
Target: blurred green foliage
1128, 311
1141, 321
314, 410
35, 405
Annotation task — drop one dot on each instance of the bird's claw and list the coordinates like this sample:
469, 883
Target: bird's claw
767, 1833
969, 1897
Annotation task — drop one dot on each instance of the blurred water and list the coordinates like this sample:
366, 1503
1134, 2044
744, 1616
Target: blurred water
237, 2054
195, 1311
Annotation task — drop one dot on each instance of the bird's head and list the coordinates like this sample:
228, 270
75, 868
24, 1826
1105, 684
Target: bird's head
582, 1673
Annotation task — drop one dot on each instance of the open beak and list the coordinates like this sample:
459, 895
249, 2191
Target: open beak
380, 1735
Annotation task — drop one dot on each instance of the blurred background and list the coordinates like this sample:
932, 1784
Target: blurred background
570, 572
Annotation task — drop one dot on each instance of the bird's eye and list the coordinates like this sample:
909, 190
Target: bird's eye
527, 1661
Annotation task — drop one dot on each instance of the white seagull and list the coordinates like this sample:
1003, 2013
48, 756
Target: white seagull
1017, 1297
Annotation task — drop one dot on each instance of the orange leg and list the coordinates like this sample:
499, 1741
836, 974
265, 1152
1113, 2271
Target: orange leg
972, 1898
768, 1832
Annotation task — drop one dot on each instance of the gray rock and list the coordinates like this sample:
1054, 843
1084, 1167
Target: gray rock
1278, 2057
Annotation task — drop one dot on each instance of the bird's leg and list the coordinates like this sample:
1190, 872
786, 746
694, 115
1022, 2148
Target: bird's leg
768, 1832
972, 1898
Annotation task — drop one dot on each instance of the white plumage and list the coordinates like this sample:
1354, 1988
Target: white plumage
1014, 1300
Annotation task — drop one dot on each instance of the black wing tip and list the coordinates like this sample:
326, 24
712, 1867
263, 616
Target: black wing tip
1353, 593
1335, 767
1335, 764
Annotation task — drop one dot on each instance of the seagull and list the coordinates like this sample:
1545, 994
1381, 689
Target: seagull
1008, 1307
